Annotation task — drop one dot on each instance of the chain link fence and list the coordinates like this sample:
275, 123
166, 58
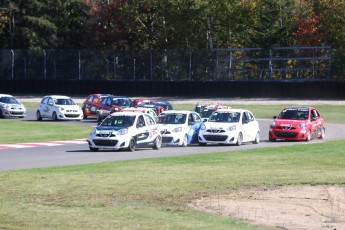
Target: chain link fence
280, 63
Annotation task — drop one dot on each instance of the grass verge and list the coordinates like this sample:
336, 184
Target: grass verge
154, 193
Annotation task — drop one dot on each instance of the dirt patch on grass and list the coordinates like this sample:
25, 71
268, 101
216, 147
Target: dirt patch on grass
291, 207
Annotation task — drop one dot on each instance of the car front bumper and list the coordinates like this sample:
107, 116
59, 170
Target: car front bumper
116, 142
217, 138
289, 135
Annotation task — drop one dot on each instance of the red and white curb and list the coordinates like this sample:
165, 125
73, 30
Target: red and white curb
42, 144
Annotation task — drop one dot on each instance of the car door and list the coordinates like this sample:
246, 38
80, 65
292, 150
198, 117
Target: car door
316, 122
49, 109
194, 123
250, 126
142, 130
93, 104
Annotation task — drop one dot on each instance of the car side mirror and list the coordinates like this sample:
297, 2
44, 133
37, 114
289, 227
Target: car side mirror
191, 123
313, 118
205, 119
274, 117
245, 121
139, 125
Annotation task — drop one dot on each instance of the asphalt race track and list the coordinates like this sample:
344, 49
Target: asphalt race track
74, 154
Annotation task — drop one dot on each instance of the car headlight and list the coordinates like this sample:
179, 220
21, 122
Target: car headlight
60, 108
203, 127
273, 124
4, 106
122, 132
302, 125
178, 129
94, 131
232, 128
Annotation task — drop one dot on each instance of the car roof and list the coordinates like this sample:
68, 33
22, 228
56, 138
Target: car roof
127, 113
177, 111
233, 110
58, 96
302, 107
5, 95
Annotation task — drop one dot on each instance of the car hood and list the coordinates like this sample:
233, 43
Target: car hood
68, 107
169, 126
109, 128
219, 125
12, 105
282, 122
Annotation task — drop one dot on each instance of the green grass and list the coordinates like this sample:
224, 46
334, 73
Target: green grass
154, 193
17, 131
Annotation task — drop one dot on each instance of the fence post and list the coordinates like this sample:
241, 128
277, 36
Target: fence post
190, 66
79, 65
270, 64
45, 64
134, 63
12, 64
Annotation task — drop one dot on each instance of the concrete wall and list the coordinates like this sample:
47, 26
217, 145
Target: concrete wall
243, 89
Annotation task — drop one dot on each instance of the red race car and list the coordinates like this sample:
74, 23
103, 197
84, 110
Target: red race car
91, 103
297, 123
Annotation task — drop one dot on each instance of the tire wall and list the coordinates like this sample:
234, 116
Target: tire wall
241, 89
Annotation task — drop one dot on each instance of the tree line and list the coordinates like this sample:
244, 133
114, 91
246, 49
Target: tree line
173, 24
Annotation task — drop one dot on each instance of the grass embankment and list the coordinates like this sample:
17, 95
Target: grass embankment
154, 193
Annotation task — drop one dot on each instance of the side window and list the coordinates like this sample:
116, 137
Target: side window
315, 114
141, 121
95, 99
190, 118
50, 101
149, 120
250, 116
244, 117
196, 117
45, 100
90, 99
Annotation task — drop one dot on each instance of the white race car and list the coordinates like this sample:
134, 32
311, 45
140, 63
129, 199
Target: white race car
230, 126
58, 107
179, 127
10, 107
126, 130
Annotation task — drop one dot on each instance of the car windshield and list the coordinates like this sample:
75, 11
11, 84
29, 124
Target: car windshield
229, 117
294, 114
119, 121
207, 113
172, 118
8, 100
121, 102
63, 101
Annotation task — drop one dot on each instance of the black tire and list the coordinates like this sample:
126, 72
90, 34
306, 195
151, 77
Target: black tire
132, 144
157, 143
54, 117
322, 133
239, 139
94, 149
98, 118
84, 115
272, 140
185, 141
202, 144
38, 116
308, 137
257, 138
1, 116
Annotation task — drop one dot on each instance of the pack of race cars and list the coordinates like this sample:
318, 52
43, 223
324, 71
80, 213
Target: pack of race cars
129, 124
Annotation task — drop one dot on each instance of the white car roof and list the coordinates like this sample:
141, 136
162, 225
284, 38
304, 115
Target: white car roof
127, 113
176, 111
5, 95
58, 96
232, 110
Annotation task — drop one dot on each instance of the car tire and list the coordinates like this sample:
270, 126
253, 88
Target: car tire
308, 138
94, 149
84, 115
272, 140
322, 136
157, 143
54, 116
239, 139
1, 116
38, 116
185, 141
257, 138
202, 144
132, 144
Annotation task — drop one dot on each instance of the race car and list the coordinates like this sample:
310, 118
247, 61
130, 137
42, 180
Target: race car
230, 126
126, 130
10, 107
112, 104
179, 127
207, 111
297, 123
91, 104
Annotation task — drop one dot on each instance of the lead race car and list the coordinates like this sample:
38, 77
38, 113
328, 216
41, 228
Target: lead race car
297, 123
125, 130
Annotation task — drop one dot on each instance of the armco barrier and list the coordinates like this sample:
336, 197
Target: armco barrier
241, 89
